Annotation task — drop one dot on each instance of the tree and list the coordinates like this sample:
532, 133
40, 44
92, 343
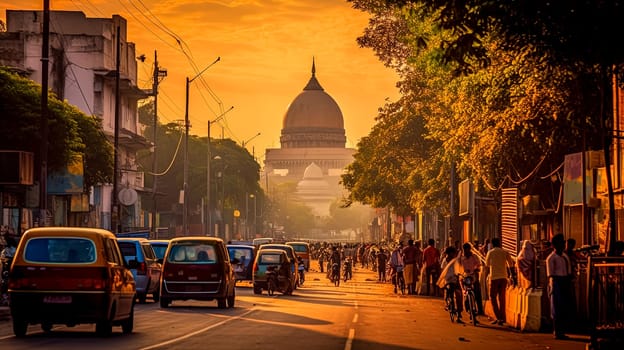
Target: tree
574, 35
505, 122
241, 172
71, 132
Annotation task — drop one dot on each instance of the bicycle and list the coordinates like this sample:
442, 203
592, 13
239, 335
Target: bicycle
467, 283
398, 280
449, 299
271, 281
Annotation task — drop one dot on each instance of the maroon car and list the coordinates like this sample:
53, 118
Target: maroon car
197, 268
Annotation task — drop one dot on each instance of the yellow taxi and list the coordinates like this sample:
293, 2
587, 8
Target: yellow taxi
70, 275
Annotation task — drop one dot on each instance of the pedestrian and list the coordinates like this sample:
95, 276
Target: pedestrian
409, 271
321, 260
431, 257
497, 261
526, 262
558, 270
334, 259
382, 258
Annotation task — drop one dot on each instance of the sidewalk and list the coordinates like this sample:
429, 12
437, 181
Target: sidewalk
425, 319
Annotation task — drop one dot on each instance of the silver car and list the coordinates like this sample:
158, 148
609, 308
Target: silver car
146, 269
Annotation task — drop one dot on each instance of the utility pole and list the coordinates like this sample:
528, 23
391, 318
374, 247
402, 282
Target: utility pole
115, 217
185, 199
157, 74
43, 192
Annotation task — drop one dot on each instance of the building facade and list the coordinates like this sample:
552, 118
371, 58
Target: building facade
313, 153
82, 71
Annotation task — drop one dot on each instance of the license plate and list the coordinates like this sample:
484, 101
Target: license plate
57, 299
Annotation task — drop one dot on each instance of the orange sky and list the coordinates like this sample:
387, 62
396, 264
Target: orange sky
266, 49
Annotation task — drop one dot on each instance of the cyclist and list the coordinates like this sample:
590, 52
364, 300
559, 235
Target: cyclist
471, 266
396, 263
448, 279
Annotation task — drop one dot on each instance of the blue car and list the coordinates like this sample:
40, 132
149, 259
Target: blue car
160, 248
146, 269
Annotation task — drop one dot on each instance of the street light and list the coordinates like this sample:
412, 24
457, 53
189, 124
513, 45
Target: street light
208, 227
251, 138
186, 135
254, 215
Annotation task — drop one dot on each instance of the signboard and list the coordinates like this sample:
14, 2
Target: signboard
573, 180
69, 180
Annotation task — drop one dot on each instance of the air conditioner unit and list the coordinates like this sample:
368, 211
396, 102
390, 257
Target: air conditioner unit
17, 168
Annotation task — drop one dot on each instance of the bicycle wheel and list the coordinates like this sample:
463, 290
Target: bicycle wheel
271, 285
472, 308
450, 305
337, 280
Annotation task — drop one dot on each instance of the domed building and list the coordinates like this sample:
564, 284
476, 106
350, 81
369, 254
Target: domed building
312, 133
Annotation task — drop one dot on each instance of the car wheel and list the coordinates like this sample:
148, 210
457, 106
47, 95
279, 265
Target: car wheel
231, 299
128, 324
19, 327
156, 295
46, 326
221, 303
257, 290
164, 303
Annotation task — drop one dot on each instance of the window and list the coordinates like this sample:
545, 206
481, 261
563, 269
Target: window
193, 253
112, 252
270, 259
65, 250
148, 251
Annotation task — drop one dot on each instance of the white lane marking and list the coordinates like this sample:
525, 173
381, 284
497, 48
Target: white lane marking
351, 336
349, 342
188, 335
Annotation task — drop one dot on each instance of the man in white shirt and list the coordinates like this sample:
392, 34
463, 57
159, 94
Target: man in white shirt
558, 270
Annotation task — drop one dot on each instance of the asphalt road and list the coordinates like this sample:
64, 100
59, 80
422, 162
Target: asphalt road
359, 314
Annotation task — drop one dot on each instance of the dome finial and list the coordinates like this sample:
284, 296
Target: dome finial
313, 84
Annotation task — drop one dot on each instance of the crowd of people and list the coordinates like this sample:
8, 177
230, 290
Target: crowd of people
430, 271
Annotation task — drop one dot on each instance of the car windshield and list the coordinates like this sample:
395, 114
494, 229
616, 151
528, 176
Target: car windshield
65, 250
243, 255
192, 253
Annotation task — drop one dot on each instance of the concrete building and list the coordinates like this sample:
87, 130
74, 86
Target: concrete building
313, 153
82, 71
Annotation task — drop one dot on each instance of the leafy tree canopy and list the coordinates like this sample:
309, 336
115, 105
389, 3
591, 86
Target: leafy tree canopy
71, 132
